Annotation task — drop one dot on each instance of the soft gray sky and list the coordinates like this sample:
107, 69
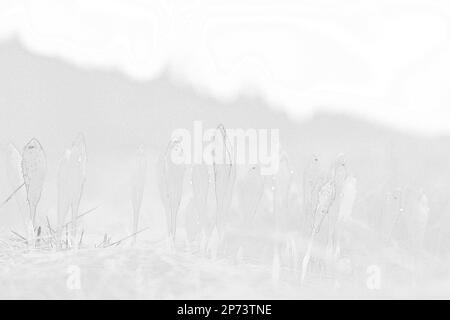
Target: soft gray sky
387, 60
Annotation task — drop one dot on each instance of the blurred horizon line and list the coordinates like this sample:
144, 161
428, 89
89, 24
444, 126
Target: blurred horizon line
167, 73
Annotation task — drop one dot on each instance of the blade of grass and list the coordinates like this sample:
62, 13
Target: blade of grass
49, 226
127, 237
81, 215
18, 235
12, 195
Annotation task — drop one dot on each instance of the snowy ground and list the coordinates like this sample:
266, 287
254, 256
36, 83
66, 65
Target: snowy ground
149, 270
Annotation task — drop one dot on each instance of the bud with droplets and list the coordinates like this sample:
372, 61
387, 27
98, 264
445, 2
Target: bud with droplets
325, 199
339, 172
312, 178
34, 167
224, 175
282, 183
171, 183
71, 178
251, 191
13, 162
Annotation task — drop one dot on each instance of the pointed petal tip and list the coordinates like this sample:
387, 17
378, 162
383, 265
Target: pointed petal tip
33, 143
